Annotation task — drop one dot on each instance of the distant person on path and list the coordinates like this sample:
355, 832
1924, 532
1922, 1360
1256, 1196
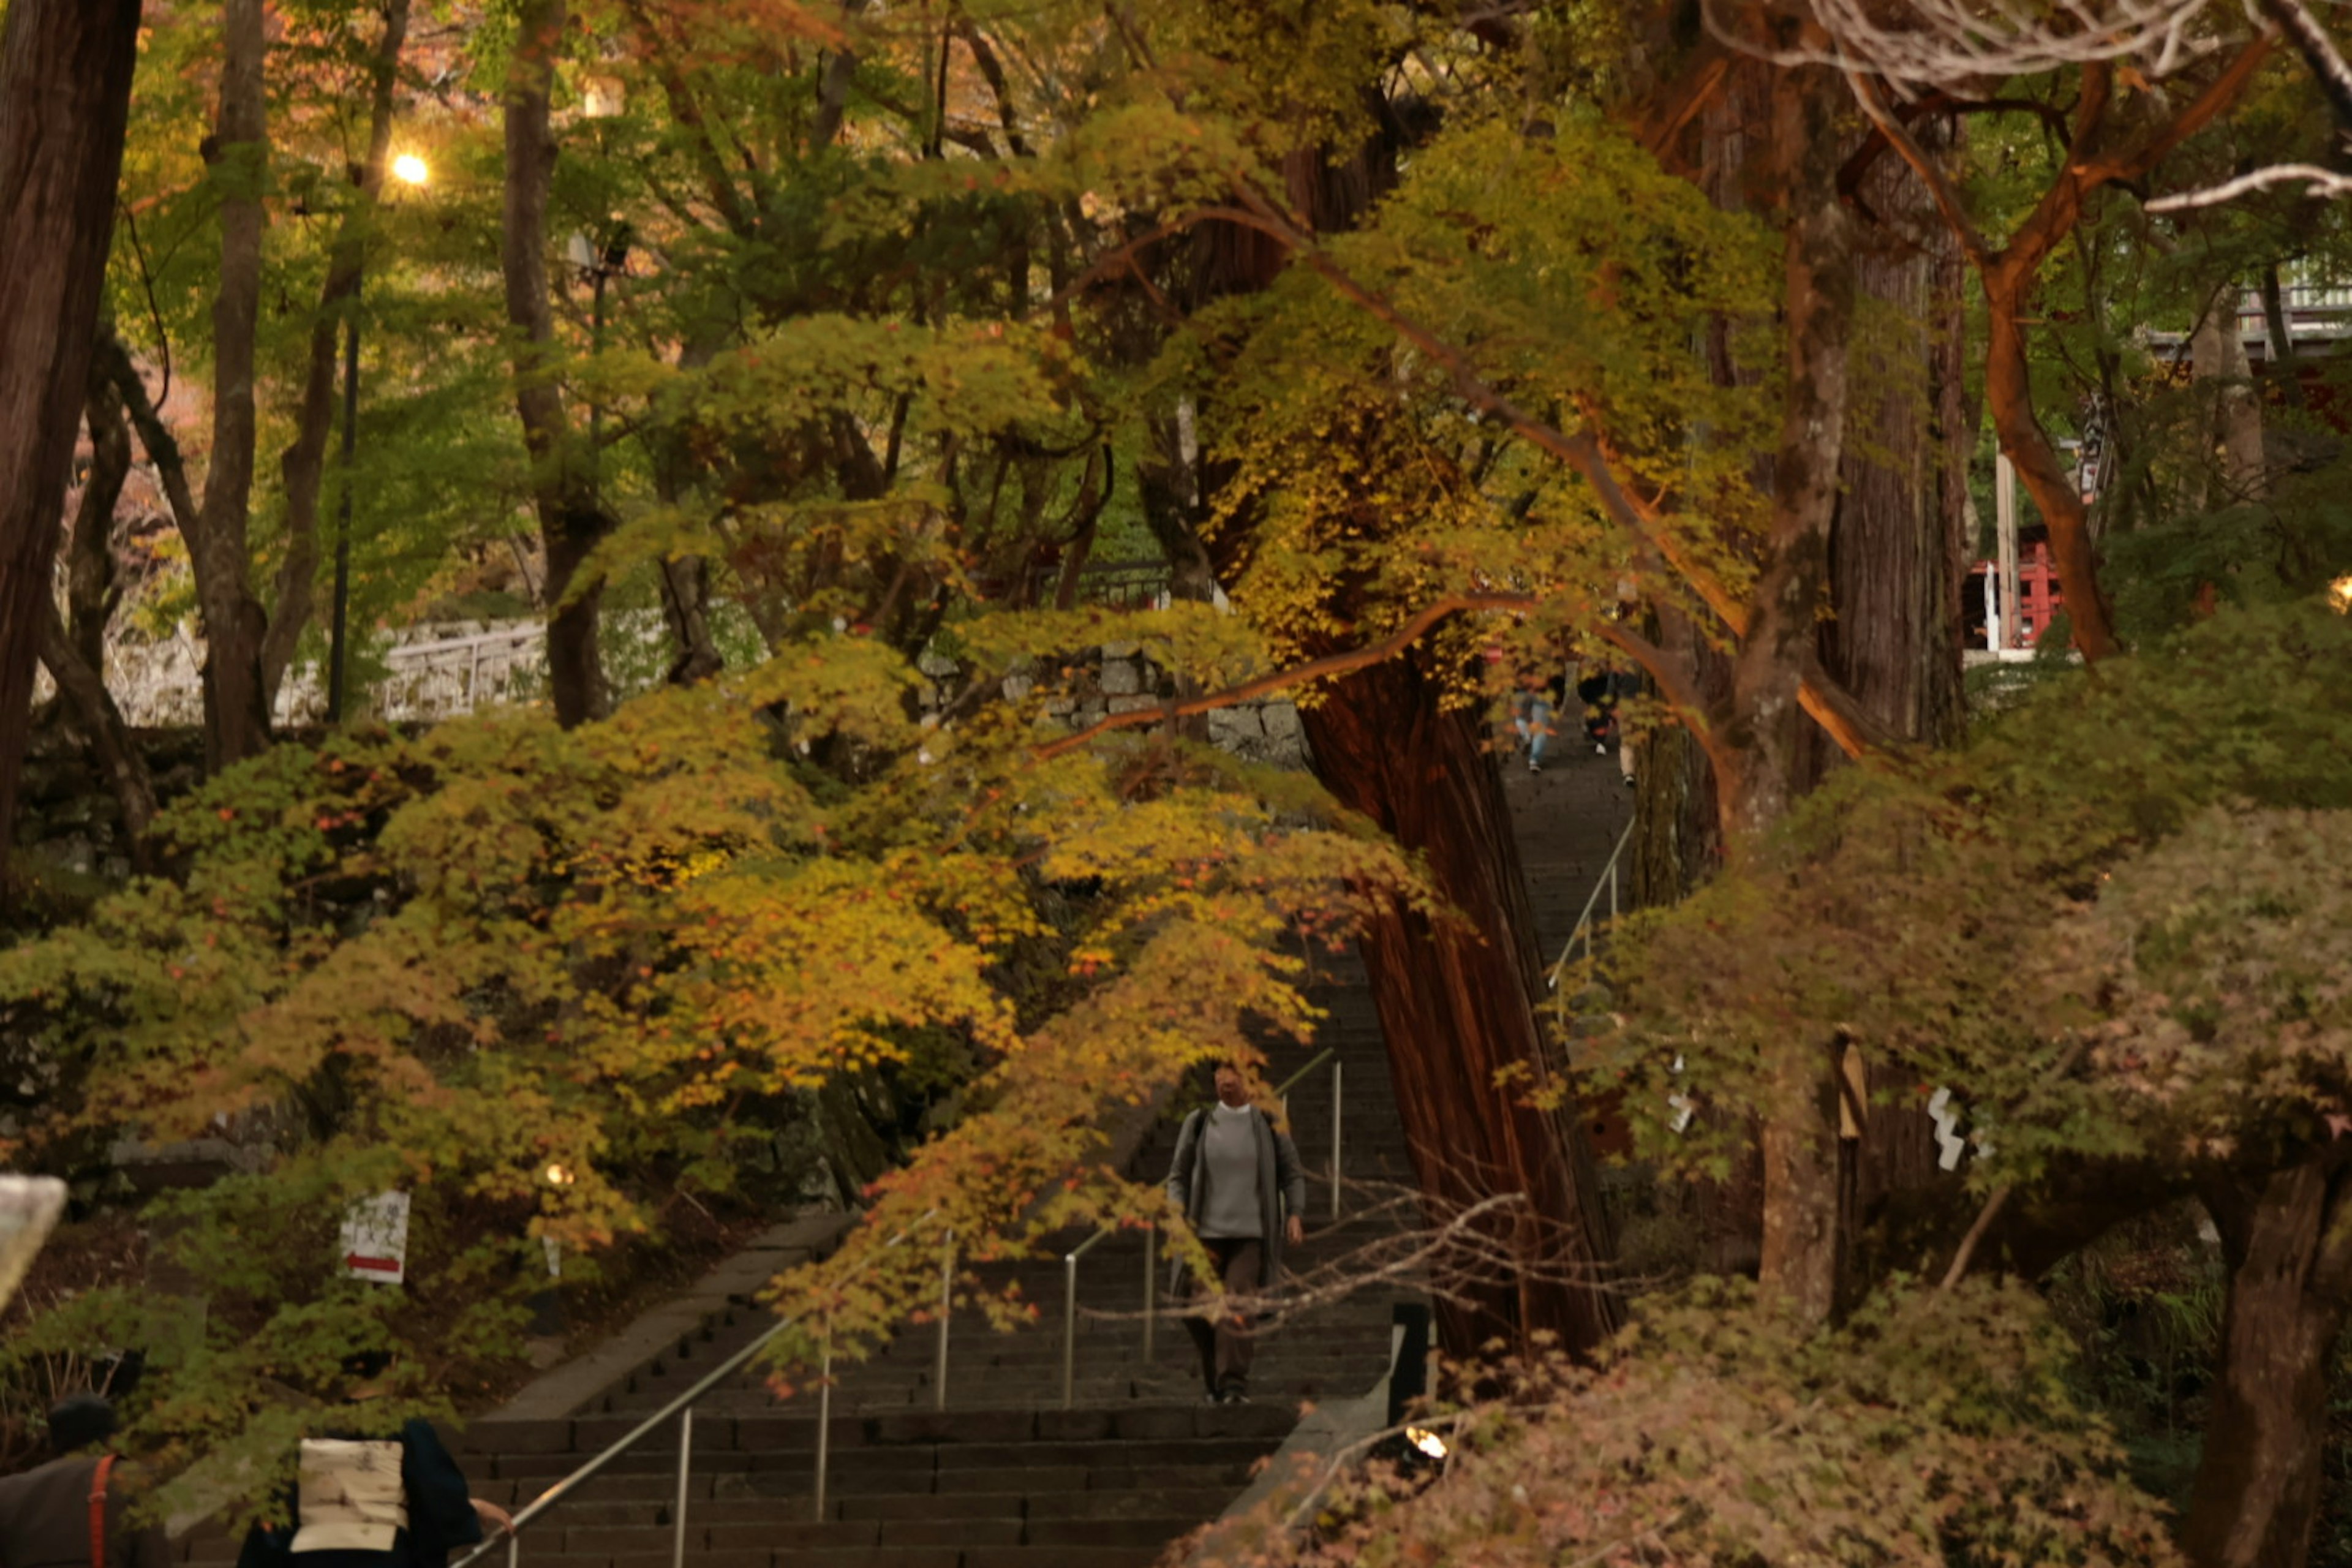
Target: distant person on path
1600, 689
1237, 1178
373, 1503
1532, 711
69, 1513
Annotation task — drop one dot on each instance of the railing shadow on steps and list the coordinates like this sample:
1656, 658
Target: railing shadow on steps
1152, 1244
681, 1409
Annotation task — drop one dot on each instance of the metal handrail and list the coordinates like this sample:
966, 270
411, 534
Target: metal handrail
1282, 1090
682, 1407
1070, 1313
1332, 1055
1583, 929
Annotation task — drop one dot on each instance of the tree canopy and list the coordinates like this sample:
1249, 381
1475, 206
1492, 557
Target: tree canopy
791, 364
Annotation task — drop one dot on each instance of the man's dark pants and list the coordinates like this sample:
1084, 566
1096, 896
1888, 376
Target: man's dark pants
1225, 1345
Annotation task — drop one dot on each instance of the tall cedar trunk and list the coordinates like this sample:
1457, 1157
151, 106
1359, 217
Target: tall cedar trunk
1458, 1006
237, 711
570, 522
1455, 1004
1894, 554
74, 648
1799, 1141
65, 99
2288, 1239
1898, 553
303, 466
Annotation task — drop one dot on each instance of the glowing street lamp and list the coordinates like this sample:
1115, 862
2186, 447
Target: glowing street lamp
413, 172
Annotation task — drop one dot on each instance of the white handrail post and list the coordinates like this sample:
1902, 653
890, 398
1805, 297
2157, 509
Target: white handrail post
823, 1419
684, 1459
1335, 1086
1069, 1329
1151, 1286
947, 1300
514, 1548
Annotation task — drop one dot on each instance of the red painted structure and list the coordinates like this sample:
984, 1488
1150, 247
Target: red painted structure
2037, 587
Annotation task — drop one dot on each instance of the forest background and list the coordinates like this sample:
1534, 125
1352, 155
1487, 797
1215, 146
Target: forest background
1427, 347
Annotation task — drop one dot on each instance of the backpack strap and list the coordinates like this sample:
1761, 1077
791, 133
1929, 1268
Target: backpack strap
98, 1511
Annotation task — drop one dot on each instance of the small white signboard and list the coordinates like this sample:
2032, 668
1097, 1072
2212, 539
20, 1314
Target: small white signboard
375, 1238
29, 1207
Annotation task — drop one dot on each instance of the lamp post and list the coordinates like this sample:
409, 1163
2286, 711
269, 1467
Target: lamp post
409, 170
598, 265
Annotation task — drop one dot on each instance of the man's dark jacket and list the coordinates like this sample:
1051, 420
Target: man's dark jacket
45, 1518
1281, 1185
440, 1516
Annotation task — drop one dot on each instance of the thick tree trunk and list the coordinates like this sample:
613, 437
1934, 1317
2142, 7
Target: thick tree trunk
1899, 540
1799, 1136
303, 466
570, 522
236, 710
74, 648
2288, 1239
1898, 550
1457, 1005
2217, 361
65, 100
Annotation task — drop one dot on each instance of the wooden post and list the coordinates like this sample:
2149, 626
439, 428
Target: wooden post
2004, 500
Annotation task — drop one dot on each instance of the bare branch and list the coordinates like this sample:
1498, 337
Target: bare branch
1930, 44
1844, 720
2317, 180
2319, 52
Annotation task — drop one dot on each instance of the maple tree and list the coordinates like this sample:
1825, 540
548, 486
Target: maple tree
461, 964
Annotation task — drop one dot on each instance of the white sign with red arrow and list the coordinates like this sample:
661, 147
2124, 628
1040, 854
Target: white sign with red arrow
375, 1238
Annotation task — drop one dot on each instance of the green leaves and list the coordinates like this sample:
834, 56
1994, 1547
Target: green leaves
531, 976
2108, 926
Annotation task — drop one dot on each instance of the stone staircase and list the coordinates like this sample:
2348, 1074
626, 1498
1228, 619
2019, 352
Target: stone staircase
1005, 1476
